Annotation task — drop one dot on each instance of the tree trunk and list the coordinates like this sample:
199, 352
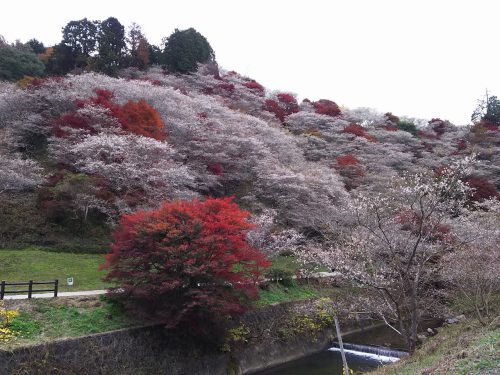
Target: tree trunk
341, 345
414, 318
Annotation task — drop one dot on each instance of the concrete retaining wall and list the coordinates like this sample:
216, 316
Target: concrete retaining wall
273, 339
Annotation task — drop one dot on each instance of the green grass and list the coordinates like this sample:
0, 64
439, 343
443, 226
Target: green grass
484, 355
67, 321
277, 293
39, 265
48, 320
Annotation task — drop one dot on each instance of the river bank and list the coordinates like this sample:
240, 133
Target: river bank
261, 338
466, 348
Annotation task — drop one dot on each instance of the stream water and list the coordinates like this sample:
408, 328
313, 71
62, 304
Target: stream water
323, 363
330, 361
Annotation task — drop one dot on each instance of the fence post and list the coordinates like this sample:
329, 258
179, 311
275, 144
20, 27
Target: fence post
30, 289
56, 286
2, 289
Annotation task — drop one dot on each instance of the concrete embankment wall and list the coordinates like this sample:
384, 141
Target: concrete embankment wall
267, 337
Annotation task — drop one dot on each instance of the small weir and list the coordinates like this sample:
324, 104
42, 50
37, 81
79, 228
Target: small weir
365, 351
378, 353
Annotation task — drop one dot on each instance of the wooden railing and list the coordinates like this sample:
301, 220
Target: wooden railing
30, 289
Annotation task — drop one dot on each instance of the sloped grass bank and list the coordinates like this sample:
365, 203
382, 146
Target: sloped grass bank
462, 349
43, 320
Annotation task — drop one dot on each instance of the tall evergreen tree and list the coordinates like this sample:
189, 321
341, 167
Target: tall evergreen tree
81, 37
184, 49
36, 46
111, 46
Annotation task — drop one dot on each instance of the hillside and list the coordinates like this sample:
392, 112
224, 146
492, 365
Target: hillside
79, 151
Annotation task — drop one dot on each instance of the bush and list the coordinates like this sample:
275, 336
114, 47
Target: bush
407, 126
15, 64
187, 262
142, 119
284, 105
326, 107
358, 131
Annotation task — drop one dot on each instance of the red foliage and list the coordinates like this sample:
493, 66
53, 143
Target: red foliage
359, 131
104, 99
273, 107
285, 105
434, 231
426, 135
441, 233
462, 145
142, 119
253, 85
485, 125
185, 262
136, 117
72, 120
215, 169
227, 87
326, 107
348, 160
481, 188
286, 98
288, 103
355, 129
349, 168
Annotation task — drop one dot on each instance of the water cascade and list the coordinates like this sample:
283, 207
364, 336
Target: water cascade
379, 353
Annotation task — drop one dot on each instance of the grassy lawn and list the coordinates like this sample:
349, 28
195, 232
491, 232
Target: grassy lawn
39, 265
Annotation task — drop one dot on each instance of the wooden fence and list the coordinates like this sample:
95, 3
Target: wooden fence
30, 289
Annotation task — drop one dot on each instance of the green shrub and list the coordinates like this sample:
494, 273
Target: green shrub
15, 64
408, 126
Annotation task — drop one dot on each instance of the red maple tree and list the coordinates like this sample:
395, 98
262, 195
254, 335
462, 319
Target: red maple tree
186, 262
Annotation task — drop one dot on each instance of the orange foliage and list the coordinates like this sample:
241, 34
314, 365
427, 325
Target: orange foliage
142, 119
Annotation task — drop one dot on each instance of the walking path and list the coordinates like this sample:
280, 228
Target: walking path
102, 291
60, 294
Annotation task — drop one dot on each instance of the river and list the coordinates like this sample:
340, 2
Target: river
329, 362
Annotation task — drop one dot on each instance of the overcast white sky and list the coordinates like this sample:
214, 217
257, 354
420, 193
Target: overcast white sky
422, 58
